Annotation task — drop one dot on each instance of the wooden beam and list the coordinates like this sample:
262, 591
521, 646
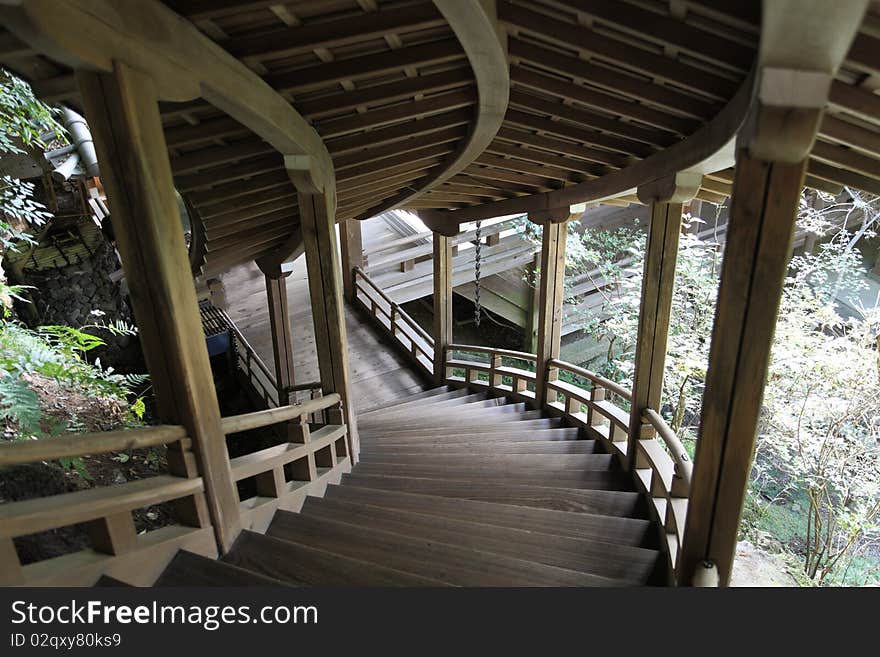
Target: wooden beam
658, 280
382, 94
366, 66
352, 251
333, 33
550, 303
398, 149
398, 133
443, 324
476, 27
317, 217
615, 81
123, 113
760, 230
618, 52
282, 336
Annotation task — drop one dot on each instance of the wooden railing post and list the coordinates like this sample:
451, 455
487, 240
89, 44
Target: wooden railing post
550, 296
666, 197
352, 251
317, 215
442, 303
123, 113
771, 160
282, 336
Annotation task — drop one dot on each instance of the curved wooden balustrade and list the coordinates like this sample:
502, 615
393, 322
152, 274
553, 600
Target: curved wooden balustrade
662, 467
403, 329
283, 475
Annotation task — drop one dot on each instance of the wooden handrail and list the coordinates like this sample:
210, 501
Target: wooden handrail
259, 419
52, 449
504, 353
601, 381
297, 387
684, 467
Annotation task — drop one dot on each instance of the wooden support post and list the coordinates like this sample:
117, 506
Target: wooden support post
666, 197
760, 231
530, 330
317, 212
113, 534
550, 297
352, 249
282, 337
442, 303
124, 117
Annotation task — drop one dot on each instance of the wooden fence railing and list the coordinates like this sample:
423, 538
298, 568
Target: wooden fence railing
601, 408
261, 378
402, 328
282, 475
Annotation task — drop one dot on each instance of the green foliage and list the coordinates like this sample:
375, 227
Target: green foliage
819, 435
24, 124
19, 404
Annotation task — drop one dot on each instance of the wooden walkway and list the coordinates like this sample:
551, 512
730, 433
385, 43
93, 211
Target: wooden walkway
378, 374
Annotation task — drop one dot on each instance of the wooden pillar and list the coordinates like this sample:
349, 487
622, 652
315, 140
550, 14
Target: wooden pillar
124, 117
442, 303
352, 249
550, 296
317, 214
762, 219
530, 330
282, 337
666, 197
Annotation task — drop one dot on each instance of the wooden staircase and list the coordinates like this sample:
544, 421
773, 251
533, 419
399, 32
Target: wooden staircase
454, 488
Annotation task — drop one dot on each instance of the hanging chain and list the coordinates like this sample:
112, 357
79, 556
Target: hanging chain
478, 249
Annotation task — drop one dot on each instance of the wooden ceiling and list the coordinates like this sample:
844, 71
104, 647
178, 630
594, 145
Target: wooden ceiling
402, 97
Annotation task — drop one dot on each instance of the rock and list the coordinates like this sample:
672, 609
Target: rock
118, 477
754, 567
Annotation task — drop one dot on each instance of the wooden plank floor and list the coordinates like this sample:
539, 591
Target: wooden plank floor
378, 373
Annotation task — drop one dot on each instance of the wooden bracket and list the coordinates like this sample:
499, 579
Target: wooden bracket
680, 187
304, 174
439, 222
558, 215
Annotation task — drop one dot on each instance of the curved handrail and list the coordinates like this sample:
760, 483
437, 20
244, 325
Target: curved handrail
505, 353
599, 380
260, 419
684, 467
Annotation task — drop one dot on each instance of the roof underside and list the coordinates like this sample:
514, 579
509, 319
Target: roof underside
594, 86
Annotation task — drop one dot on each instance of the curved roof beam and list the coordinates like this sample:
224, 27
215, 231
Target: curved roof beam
184, 63
710, 148
476, 26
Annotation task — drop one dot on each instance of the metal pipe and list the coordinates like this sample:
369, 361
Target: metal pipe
81, 137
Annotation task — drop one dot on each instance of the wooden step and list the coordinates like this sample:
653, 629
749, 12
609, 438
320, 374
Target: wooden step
632, 564
190, 569
495, 462
514, 433
475, 424
471, 403
596, 515
480, 448
426, 397
301, 565
592, 479
441, 561
458, 416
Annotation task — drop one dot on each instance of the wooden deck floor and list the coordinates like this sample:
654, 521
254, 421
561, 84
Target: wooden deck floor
378, 374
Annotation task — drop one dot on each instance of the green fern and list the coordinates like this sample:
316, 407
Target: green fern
19, 404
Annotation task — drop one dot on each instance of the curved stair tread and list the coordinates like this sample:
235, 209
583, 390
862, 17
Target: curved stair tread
190, 569
448, 563
528, 420
448, 418
540, 432
305, 566
632, 564
548, 477
461, 407
422, 400
481, 448
612, 526
496, 462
